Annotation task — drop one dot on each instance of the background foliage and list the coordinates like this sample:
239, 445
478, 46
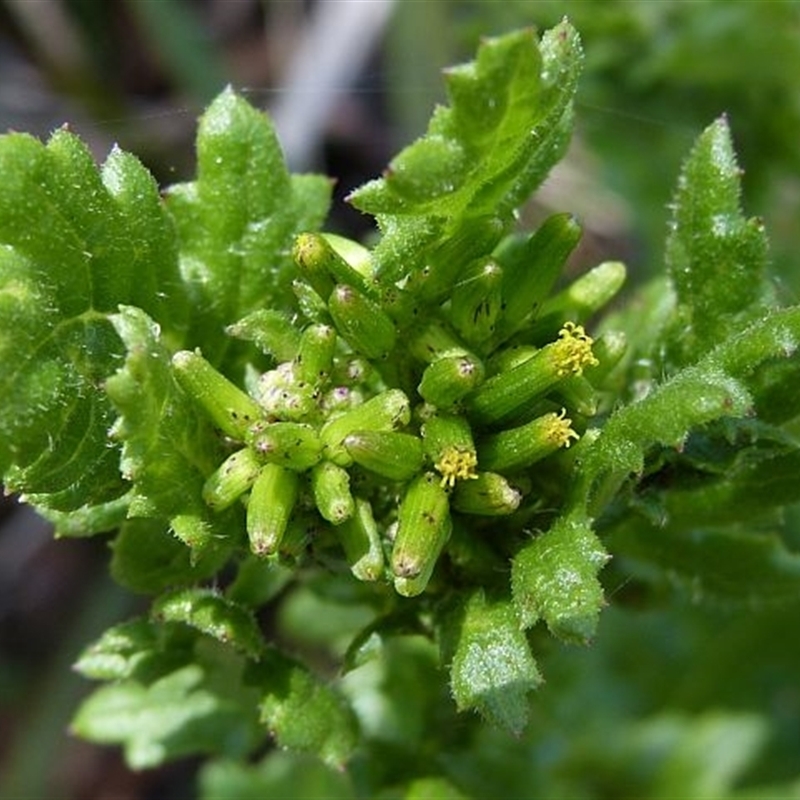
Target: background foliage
638, 713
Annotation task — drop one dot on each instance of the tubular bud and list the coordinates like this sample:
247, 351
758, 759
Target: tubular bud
396, 456
272, 500
231, 480
449, 379
272, 332
500, 397
228, 407
310, 303
475, 303
587, 294
362, 322
361, 543
314, 358
436, 341
531, 266
310, 253
387, 411
291, 444
510, 357
423, 528
520, 447
489, 495
331, 486
474, 238
282, 395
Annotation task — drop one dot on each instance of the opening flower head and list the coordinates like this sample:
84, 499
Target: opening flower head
574, 350
559, 429
456, 464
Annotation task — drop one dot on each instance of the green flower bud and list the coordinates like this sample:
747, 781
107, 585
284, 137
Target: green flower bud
272, 332
228, 407
291, 444
423, 528
488, 495
231, 480
310, 253
362, 322
314, 359
448, 380
520, 447
509, 357
584, 296
331, 486
444, 264
531, 266
272, 500
476, 302
434, 341
361, 542
318, 259
387, 411
499, 398
282, 395
310, 303
396, 456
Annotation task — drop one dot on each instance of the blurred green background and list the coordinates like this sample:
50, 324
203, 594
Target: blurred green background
674, 696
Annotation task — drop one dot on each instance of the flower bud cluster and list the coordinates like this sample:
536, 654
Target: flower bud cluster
398, 409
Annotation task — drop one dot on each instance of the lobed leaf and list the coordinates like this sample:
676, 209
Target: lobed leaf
491, 667
554, 578
715, 256
303, 713
74, 244
214, 615
236, 222
508, 123
168, 450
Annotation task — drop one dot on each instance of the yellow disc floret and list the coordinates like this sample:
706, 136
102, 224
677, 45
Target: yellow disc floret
574, 350
456, 464
559, 429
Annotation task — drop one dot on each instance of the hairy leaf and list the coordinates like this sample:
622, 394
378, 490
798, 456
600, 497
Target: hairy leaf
508, 123
716, 257
168, 450
554, 578
74, 244
212, 614
302, 713
491, 666
237, 220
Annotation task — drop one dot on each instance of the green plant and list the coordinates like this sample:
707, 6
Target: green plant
415, 450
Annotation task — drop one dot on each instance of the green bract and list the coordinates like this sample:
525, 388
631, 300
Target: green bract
436, 428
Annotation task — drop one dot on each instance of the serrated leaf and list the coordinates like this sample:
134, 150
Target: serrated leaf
554, 578
716, 257
491, 667
508, 123
176, 715
120, 652
211, 614
238, 219
717, 386
168, 450
304, 714
74, 243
